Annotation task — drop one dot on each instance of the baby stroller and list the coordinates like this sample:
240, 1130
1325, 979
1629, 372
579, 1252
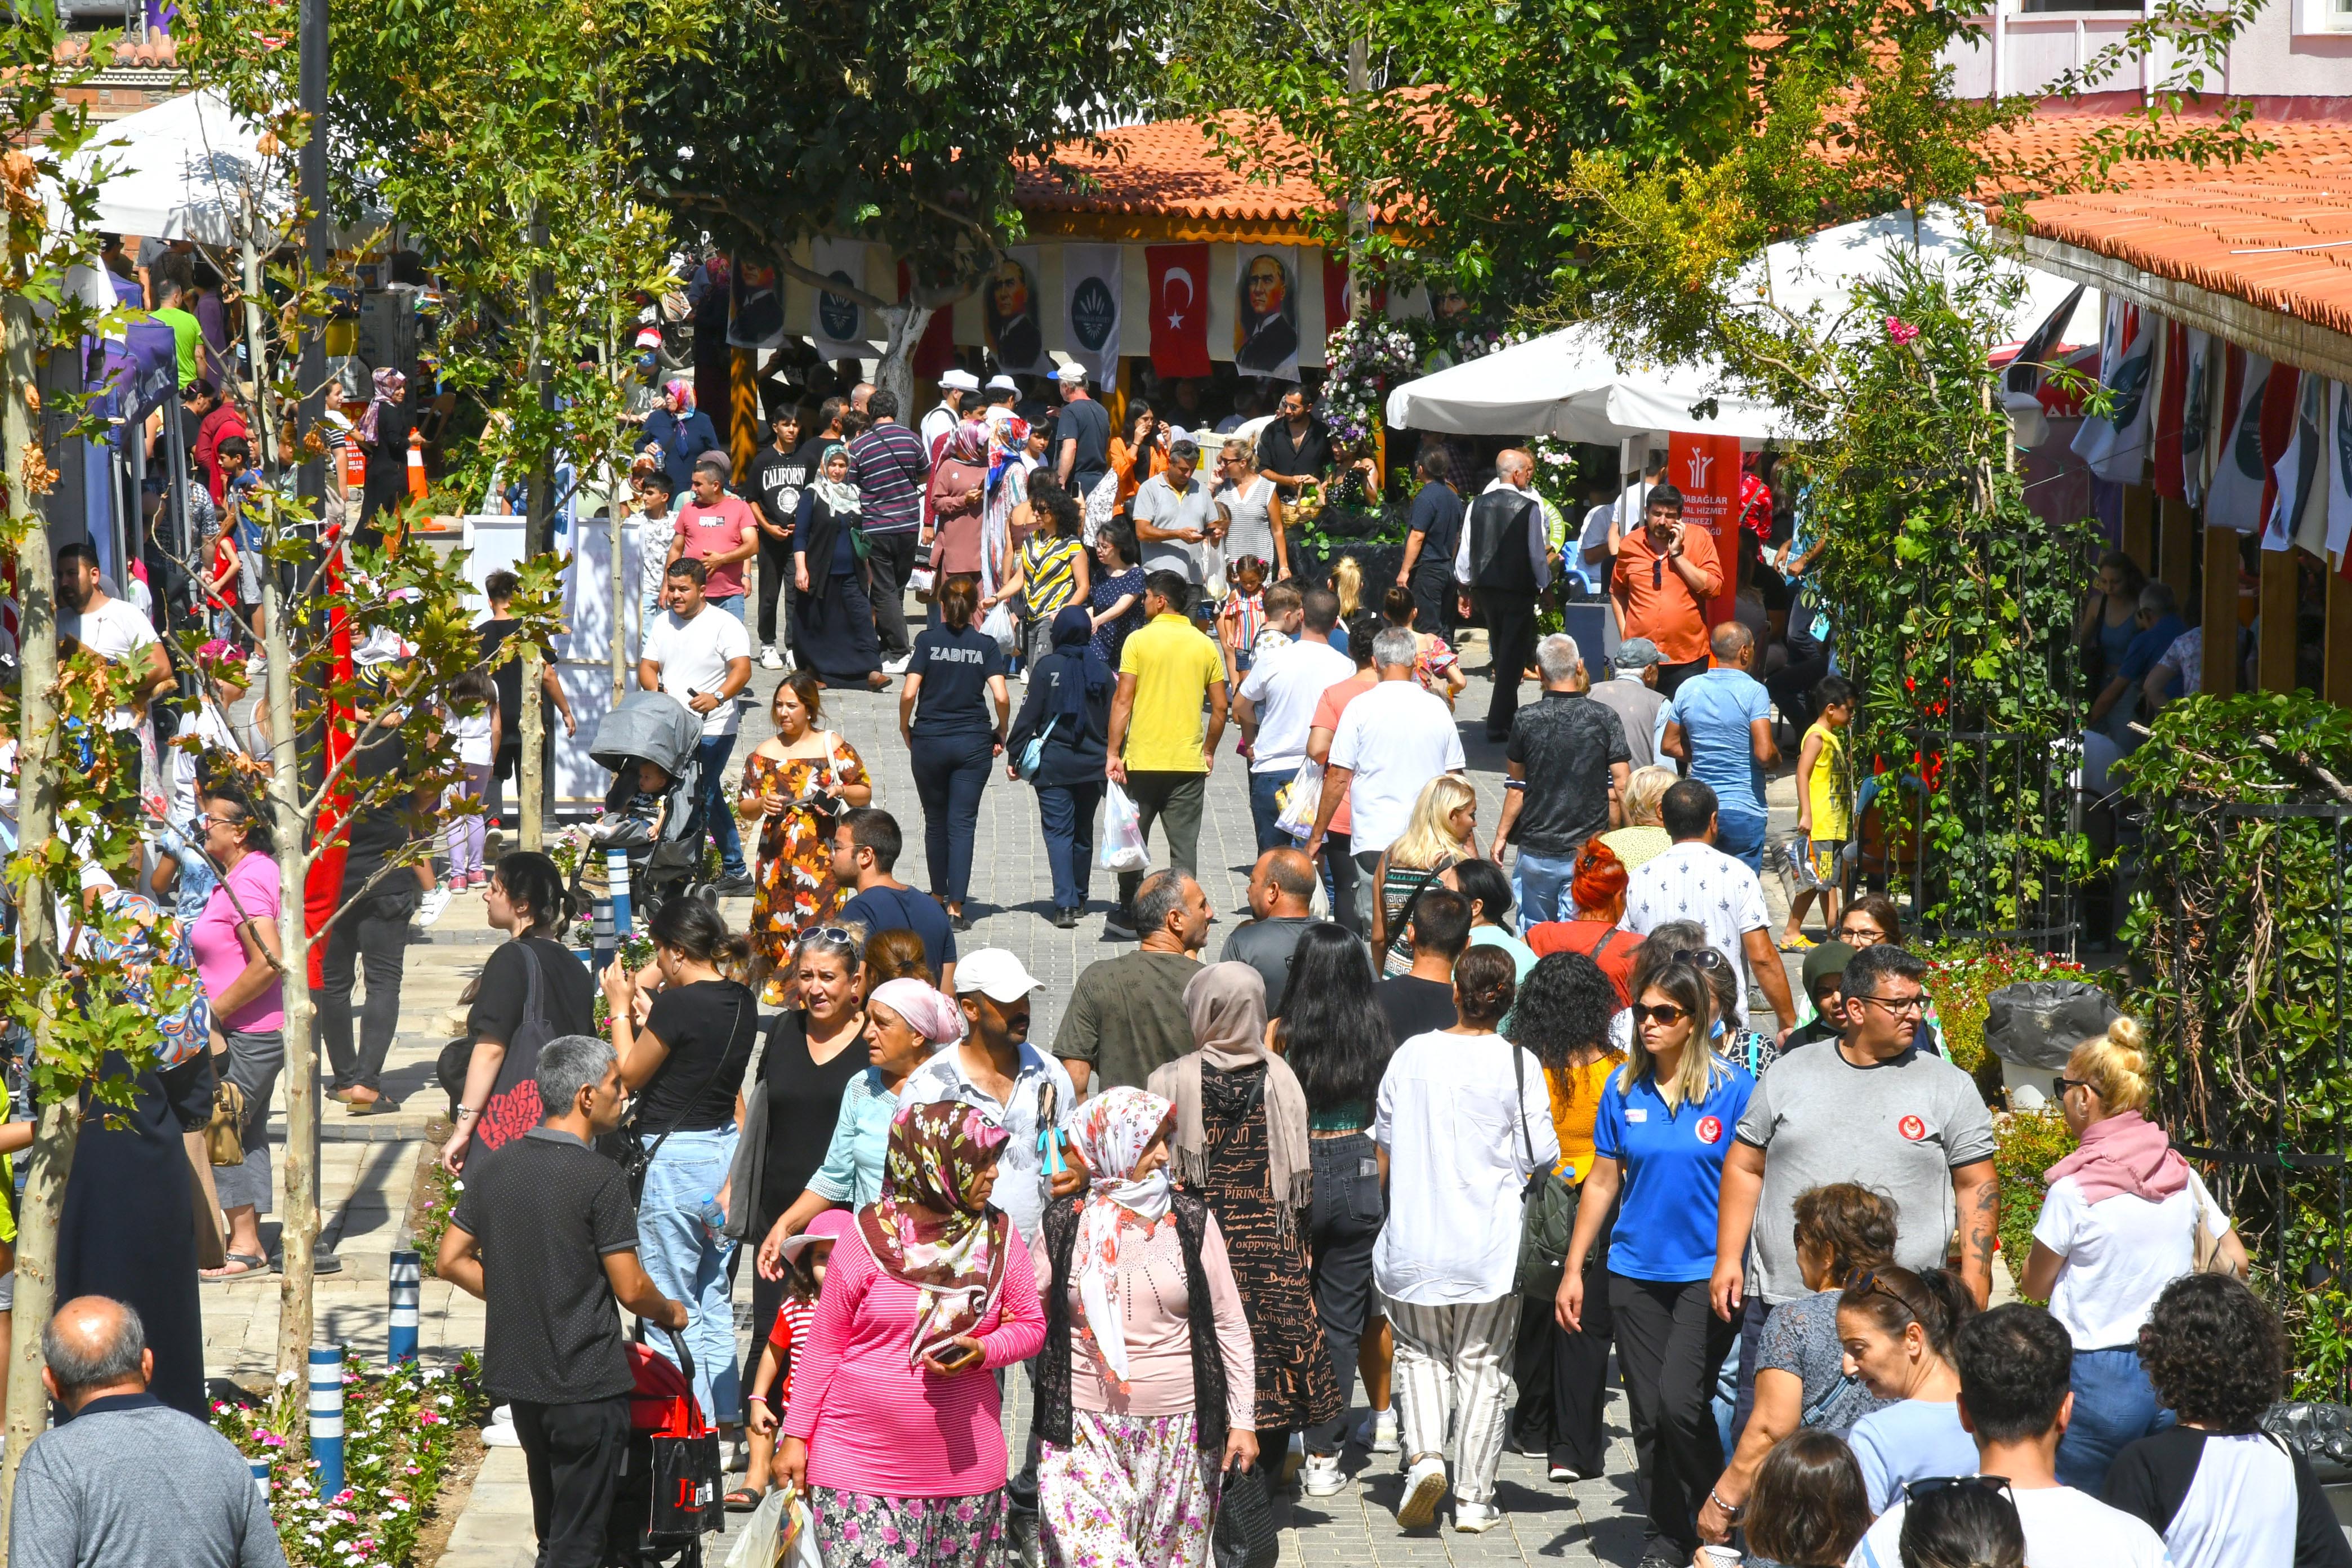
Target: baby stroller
652, 825
669, 1496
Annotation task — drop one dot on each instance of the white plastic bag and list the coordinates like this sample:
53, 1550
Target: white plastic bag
1121, 847
796, 1547
999, 624
760, 1544
1300, 798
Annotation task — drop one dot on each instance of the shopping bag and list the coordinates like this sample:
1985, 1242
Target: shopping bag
1121, 847
796, 1547
761, 1544
999, 625
1300, 797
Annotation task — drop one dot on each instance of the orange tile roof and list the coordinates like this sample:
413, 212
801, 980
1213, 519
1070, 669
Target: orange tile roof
1170, 168
2276, 232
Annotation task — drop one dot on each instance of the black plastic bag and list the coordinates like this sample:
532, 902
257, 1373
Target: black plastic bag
2038, 1023
1244, 1535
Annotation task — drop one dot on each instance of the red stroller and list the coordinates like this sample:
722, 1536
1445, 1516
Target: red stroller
669, 1496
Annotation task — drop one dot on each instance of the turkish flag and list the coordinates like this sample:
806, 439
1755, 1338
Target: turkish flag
2172, 413
1335, 293
1180, 307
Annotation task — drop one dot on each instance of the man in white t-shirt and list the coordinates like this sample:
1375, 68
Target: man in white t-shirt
1391, 742
1276, 709
702, 655
2014, 1362
113, 629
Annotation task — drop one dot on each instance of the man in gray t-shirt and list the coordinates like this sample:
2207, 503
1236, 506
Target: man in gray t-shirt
1172, 511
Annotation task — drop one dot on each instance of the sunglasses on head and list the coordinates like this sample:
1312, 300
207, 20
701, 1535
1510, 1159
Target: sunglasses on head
1927, 1486
1664, 1013
1701, 958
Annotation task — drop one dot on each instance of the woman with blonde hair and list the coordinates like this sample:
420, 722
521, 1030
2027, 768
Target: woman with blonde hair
1643, 838
1442, 832
1348, 582
2125, 1217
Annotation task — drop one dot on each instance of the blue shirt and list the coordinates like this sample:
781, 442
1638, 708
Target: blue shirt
2148, 647
1906, 1441
1673, 1165
852, 1171
903, 909
1714, 708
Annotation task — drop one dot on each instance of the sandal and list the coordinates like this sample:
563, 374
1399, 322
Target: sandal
744, 1500
1799, 943
239, 1266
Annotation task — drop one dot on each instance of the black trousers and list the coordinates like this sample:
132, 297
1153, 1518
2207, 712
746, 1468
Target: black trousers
1751, 1345
1343, 1224
573, 1454
891, 558
1670, 1346
1563, 1378
950, 775
775, 578
1511, 634
374, 933
1672, 676
1433, 598
1339, 876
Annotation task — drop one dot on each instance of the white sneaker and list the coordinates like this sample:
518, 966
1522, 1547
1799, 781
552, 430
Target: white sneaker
435, 901
1475, 1517
897, 666
1323, 1476
1384, 1431
789, 662
500, 1433
769, 659
1424, 1484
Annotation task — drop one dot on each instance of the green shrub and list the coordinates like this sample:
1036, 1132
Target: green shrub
1962, 975
2025, 1144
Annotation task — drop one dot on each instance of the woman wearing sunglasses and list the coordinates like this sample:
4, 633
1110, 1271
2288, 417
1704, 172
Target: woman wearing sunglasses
1665, 1123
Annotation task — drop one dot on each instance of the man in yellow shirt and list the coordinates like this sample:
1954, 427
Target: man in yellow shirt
1159, 753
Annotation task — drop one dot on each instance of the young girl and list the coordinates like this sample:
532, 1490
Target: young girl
1444, 829
474, 723
1824, 811
1243, 616
804, 1257
1348, 582
1435, 665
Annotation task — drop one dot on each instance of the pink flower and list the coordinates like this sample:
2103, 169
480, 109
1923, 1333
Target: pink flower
1900, 331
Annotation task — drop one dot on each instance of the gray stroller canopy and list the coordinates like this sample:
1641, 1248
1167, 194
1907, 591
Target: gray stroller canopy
652, 726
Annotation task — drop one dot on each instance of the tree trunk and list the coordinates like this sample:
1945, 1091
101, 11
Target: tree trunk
298, 1211
532, 770
1359, 213
264, 407
620, 590
57, 1124
896, 375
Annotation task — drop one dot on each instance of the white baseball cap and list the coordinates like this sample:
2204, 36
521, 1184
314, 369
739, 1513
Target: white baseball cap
959, 381
995, 974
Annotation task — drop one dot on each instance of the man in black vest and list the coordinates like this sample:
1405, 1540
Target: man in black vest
1501, 564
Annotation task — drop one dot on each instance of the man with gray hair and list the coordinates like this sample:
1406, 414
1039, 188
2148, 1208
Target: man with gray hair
88, 1495
1172, 511
1503, 564
1568, 765
1720, 723
546, 1234
1126, 1014
1390, 741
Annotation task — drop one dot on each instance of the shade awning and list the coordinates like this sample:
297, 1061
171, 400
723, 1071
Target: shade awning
1568, 384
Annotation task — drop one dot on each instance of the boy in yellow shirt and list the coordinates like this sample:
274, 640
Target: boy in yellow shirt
1824, 811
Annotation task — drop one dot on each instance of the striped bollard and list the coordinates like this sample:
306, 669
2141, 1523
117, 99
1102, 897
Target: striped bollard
603, 933
327, 1420
407, 1280
616, 877
260, 1468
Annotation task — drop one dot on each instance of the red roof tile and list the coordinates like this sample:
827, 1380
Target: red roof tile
1170, 168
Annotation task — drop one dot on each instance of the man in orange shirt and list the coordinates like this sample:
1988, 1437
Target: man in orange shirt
1665, 576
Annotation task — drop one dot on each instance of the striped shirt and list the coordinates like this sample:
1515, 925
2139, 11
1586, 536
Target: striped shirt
889, 468
1049, 573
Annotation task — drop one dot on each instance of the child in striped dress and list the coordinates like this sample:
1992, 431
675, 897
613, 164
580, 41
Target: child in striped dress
803, 1257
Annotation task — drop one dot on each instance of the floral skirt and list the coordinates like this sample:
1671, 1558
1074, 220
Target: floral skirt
1130, 1491
861, 1529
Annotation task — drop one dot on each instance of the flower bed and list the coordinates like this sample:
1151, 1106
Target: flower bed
435, 1200
2025, 1144
1962, 977
401, 1428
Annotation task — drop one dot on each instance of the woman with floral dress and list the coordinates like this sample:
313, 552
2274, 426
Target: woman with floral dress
794, 784
1148, 1385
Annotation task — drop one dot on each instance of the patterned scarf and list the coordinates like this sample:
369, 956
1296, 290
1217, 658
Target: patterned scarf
1111, 1132
840, 498
684, 391
928, 1231
389, 385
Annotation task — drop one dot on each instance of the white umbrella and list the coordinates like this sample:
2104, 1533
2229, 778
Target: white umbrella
184, 170
1823, 270
1567, 383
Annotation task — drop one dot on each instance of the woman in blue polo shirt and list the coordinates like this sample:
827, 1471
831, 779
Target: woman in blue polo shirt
1665, 1123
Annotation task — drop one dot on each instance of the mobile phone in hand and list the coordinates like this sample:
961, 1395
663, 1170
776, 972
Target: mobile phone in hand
957, 1357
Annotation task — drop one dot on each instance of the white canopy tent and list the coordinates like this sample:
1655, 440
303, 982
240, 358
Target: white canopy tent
184, 170
1568, 384
1820, 271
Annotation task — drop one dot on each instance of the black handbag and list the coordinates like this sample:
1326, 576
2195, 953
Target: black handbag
1546, 1212
1244, 1535
685, 1474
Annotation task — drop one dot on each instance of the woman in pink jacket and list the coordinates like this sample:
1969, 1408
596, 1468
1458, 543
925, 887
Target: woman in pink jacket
895, 1423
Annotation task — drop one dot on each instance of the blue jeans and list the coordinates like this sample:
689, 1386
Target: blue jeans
713, 814
687, 1264
1265, 808
732, 604
1741, 836
950, 775
1067, 812
1539, 883
2115, 1403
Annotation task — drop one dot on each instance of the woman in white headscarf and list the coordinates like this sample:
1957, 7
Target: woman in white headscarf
833, 617
1147, 1383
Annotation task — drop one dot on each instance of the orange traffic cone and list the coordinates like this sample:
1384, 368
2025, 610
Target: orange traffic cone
417, 486
354, 464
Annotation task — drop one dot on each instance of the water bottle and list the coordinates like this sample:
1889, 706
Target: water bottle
713, 1218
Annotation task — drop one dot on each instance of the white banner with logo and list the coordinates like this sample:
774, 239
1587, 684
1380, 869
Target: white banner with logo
838, 323
1090, 307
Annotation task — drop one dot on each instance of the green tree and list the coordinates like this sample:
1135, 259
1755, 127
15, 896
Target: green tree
909, 124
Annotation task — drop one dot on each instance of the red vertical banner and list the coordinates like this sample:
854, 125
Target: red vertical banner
1180, 307
935, 350
1337, 300
2172, 413
1705, 468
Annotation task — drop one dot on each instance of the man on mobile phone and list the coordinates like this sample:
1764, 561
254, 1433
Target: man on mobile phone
1666, 575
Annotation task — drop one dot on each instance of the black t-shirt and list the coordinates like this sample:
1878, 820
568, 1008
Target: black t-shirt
904, 909
547, 1210
778, 478
1307, 454
378, 831
803, 1103
1266, 945
567, 1001
1088, 422
708, 1024
1437, 518
955, 667
1415, 1005
506, 674
1564, 745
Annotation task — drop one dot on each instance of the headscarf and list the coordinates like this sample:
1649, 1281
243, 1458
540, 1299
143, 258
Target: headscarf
1110, 1133
967, 442
2124, 1153
1073, 631
928, 1231
1226, 1004
840, 497
929, 1013
684, 391
389, 385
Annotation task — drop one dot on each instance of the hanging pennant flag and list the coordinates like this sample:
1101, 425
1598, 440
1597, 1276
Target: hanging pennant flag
2026, 372
2197, 416
1009, 316
1090, 293
935, 350
2116, 446
2234, 499
1180, 307
2275, 427
1266, 310
2339, 453
838, 323
2298, 516
2172, 413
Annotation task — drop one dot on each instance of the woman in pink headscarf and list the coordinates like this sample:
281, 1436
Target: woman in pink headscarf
955, 502
676, 433
383, 435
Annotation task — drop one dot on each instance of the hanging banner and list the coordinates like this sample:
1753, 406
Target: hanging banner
1705, 468
1090, 294
2116, 446
2234, 500
2171, 413
1265, 312
2282, 399
1009, 316
2339, 447
2196, 416
1180, 307
154, 368
838, 323
755, 306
